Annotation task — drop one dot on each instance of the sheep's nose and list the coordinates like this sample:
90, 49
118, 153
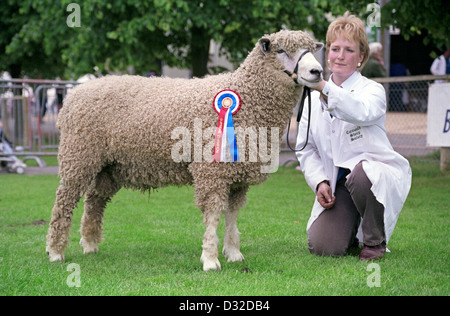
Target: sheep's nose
315, 71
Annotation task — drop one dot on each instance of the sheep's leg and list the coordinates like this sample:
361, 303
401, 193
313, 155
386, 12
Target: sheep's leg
210, 253
97, 196
67, 197
76, 173
231, 248
211, 197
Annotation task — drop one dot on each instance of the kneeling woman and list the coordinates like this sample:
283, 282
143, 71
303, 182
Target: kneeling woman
360, 182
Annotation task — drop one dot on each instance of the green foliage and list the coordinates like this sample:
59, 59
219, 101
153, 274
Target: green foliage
115, 35
412, 17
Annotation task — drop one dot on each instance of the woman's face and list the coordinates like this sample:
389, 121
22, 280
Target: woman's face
344, 57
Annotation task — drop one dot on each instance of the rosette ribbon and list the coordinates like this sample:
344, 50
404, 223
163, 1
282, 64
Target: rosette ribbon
226, 103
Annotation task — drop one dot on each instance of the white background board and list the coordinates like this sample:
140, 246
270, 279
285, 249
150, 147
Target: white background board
438, 117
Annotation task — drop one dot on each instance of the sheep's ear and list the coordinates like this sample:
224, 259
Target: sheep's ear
264, 43
319, 46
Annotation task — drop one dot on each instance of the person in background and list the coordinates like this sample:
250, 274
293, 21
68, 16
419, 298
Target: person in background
375, 65
360, 182
441, 65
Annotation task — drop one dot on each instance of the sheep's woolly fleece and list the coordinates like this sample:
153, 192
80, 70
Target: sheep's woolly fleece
128, 120
116, 132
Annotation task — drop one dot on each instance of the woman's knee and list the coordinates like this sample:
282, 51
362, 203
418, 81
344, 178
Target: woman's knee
322, 246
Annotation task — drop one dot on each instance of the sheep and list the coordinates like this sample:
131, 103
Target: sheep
118, 131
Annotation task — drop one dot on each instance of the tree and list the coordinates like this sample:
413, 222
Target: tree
431, 18
115, 35
20, 34
138, 35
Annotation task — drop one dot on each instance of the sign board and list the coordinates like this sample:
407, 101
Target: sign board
438, 118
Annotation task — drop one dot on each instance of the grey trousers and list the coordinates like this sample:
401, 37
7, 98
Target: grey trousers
334, 231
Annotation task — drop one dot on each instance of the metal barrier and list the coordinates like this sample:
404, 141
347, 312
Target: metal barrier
14, 114
406, 119
49, 100
28, 113
409, 93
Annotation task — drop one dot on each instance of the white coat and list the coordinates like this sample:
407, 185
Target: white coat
353, 132
439, 67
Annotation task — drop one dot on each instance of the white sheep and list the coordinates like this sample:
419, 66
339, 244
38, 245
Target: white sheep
118, 131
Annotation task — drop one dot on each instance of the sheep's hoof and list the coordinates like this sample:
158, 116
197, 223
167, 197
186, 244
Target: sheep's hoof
233, 255
54, 257
88, 247
210, 264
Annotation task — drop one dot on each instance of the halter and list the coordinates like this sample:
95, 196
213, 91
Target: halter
295, 72
306, 90
306, 93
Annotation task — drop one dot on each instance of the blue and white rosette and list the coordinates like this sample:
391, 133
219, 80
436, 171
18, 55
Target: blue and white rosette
226, 103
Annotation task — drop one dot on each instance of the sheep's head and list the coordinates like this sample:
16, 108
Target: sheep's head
294, 50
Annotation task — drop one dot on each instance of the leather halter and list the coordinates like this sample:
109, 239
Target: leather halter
295, 72
306, 93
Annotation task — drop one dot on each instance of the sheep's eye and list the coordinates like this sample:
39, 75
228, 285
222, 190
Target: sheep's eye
280, 51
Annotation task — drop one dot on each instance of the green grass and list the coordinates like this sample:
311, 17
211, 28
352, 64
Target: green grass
153, 244
49, 160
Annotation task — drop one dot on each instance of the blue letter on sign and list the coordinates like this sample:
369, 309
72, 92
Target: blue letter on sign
447, 122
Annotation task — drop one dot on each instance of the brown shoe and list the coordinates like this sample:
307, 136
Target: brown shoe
372, 252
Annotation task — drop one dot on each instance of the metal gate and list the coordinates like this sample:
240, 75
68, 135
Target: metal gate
28, 114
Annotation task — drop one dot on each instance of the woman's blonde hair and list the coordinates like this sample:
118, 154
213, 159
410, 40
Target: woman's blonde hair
352, 28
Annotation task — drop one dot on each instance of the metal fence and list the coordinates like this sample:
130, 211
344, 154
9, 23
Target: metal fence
406, 119
28, 113
29, 109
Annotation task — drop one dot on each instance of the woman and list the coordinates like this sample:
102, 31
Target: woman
359, 180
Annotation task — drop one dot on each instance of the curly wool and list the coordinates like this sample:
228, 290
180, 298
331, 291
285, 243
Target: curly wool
116, 132
128, 120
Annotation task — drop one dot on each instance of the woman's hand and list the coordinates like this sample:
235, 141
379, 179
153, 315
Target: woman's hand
314, 85
324, 195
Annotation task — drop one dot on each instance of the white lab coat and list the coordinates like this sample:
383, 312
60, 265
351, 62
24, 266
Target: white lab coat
354, 133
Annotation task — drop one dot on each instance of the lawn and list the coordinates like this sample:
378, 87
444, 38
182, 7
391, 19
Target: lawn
153, 244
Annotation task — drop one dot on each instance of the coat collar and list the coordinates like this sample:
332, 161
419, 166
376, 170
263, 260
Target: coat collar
347, 84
